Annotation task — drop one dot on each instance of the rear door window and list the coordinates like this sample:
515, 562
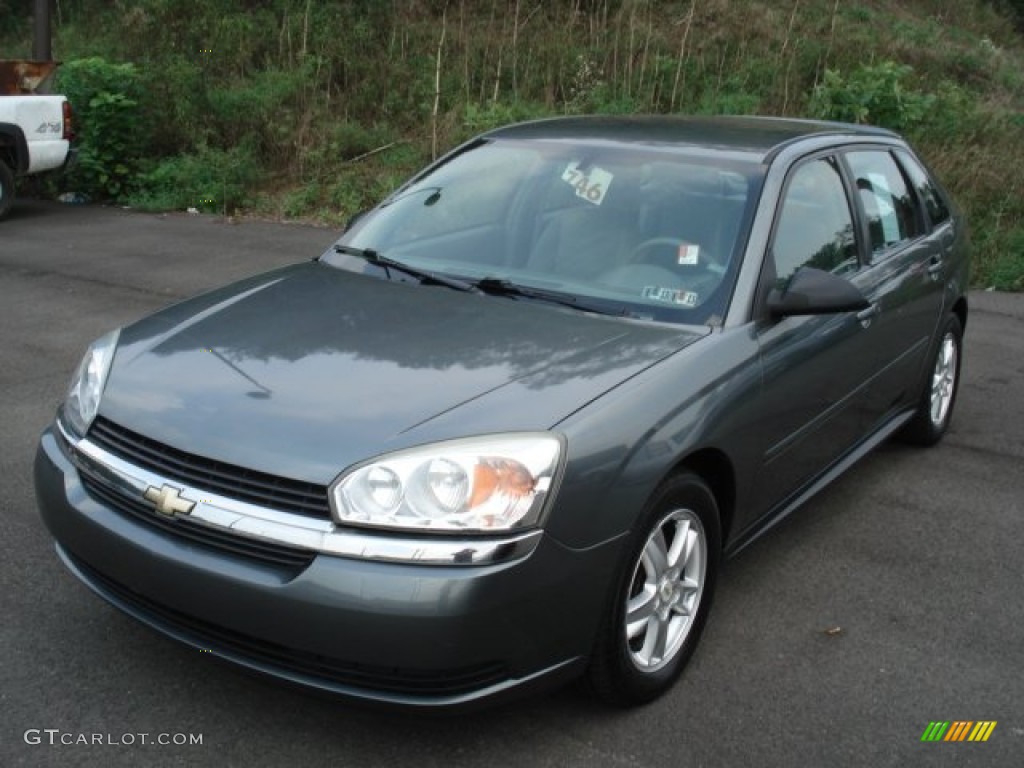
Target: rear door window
885, 198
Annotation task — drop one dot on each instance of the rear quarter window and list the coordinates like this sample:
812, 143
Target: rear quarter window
938, 211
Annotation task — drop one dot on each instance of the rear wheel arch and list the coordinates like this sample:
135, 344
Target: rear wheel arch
960, 310
13, 148
934, 409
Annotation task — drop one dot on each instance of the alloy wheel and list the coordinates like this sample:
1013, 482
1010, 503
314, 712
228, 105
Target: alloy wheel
943, 380
666, 589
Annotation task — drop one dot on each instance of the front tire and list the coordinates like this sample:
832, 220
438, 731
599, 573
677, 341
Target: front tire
935, 408
6, 189
662, 595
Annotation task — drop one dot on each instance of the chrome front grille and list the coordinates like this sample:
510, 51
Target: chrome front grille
224, 542
254, 514
260, 488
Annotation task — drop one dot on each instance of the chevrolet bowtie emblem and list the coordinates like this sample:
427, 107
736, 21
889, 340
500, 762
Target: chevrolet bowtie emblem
167, 501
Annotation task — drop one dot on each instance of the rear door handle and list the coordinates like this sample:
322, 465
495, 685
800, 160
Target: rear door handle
867, 315
935, 268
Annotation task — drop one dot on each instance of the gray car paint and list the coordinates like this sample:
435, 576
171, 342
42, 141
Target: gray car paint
341, 367
633, 401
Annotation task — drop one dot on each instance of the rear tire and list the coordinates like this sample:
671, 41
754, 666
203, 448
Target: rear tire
6, 189
661, 597
935, 408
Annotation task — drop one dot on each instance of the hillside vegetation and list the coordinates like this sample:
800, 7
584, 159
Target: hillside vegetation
315, 110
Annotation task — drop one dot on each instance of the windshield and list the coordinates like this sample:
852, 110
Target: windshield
625, 230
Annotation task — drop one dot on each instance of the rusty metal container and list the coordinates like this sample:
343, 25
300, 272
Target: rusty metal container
21, 76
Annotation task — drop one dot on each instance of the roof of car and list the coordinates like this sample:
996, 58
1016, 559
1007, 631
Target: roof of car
760, 136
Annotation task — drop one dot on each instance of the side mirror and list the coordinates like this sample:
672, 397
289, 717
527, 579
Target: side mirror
813, 291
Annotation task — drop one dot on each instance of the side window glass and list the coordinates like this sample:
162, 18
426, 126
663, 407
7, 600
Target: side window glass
885, 198
815, 226
938, 212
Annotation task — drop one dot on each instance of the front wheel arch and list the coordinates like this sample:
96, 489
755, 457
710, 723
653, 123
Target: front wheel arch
661, 594
716, 469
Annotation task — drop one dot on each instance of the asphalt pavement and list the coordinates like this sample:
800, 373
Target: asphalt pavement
891, 600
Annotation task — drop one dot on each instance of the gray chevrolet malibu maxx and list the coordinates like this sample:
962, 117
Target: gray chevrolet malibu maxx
504, 432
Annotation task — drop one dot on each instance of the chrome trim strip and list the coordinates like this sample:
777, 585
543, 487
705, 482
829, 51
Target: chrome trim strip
260, 523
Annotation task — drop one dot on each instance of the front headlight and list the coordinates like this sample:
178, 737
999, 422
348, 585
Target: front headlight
83, 400
479, 484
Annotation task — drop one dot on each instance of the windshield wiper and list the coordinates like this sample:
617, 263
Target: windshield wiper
499, 286
425, 277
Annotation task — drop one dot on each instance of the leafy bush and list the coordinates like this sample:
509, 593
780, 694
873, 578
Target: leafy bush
208, 180
175, 92
264, 110
302, 200
954, 113
111, 130
872, 93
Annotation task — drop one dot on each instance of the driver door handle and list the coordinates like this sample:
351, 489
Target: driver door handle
867, 315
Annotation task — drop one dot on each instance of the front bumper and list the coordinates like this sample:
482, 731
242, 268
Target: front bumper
429, 636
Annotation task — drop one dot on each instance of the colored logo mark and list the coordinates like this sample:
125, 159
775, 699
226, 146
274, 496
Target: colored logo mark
959, 730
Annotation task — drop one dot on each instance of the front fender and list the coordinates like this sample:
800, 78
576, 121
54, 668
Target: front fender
623, 445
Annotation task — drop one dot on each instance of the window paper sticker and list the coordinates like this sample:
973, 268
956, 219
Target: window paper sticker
886, 209
689, 253
657, 293
591, 185
670, 295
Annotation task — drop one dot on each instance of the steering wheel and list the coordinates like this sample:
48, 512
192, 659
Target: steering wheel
640, 253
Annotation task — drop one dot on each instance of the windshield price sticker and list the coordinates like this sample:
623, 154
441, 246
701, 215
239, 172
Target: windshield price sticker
671, 295
592, 185
689, 253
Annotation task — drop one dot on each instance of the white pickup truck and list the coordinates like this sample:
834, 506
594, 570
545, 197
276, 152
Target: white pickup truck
35, 129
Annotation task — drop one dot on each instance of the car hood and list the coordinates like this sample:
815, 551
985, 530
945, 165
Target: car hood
304, 371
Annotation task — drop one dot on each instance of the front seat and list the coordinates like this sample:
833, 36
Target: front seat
584, 240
